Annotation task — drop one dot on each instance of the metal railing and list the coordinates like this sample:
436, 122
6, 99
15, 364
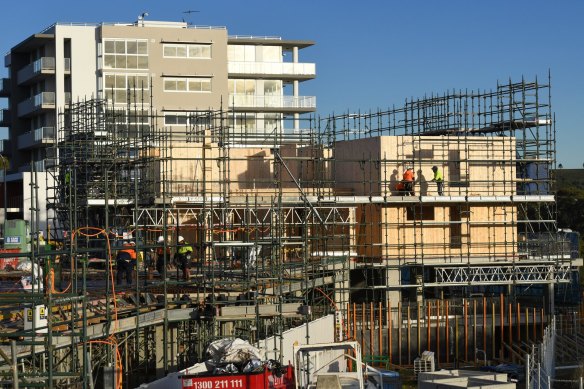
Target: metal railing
257, 101
540, 365
279, 38
44, 164
44, 133
4, 115
38, 66
284, 68
36, 102
4, 85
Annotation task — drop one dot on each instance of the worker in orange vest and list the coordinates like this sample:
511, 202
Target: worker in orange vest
408, 181
125, 261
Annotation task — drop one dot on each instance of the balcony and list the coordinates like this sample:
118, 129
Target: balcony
39, 68
5, 87
45, 164
42, 101
39, 166
272, 103
4, 118
278, 70
4, 148
37, 138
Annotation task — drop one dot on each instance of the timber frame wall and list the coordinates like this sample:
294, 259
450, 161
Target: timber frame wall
292, 226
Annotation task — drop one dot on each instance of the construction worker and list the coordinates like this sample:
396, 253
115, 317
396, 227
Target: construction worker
161, 266
183, 256
125, 261
408, 181
439, 180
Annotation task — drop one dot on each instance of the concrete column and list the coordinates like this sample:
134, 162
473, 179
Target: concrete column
159, 352
392, 279
295, 89
173, 349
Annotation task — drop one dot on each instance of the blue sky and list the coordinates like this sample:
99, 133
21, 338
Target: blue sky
374, 54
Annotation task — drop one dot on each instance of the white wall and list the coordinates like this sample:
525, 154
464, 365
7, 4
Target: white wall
83, 61
320, 330
29, 197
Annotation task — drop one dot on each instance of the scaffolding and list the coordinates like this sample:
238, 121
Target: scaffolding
286, 226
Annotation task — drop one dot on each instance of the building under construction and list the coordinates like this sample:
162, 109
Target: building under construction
290, 226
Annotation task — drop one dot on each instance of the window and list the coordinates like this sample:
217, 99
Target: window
242, 122
272, 88
425, 212
134, 124
242, 87
272, 54
187, 84
125, 54
187, 50
187, 118
241, 53
124, 88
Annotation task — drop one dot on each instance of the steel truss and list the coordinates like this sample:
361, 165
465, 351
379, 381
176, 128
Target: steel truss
503, 275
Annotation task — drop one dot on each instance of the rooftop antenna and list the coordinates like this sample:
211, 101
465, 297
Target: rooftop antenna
141, 17
189, 12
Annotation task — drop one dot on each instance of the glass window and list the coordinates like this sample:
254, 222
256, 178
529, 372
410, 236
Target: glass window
109, 47
110, 81
120, 47
117, 85
109, 61
169, 85
235, 53
272, 87
187, 84
272, 54
181, 85
189, 50
121, 81
125, 54
169, 51
241, 53
132, 62
142, 62
181, 51
250, 53
142, 47
132, 47
120, 61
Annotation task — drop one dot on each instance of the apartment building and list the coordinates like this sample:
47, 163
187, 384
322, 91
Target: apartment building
163, 69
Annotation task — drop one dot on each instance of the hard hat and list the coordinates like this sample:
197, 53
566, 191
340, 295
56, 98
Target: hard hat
161, 239
180, 238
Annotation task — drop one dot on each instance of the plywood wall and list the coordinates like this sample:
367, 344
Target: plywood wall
472, 166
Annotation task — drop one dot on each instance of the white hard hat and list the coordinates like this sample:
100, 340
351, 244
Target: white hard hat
180, 238
161, 239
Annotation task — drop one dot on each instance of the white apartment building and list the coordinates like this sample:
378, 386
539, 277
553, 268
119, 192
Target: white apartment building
169, 66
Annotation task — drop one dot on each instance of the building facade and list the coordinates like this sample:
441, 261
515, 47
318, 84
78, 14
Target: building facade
168, 68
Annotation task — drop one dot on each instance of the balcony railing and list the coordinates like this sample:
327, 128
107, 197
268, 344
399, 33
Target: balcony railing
285, 102
4, 87
44, 164
4, 117
40, 101
3, 149
40, 66
273, 68
38, 137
